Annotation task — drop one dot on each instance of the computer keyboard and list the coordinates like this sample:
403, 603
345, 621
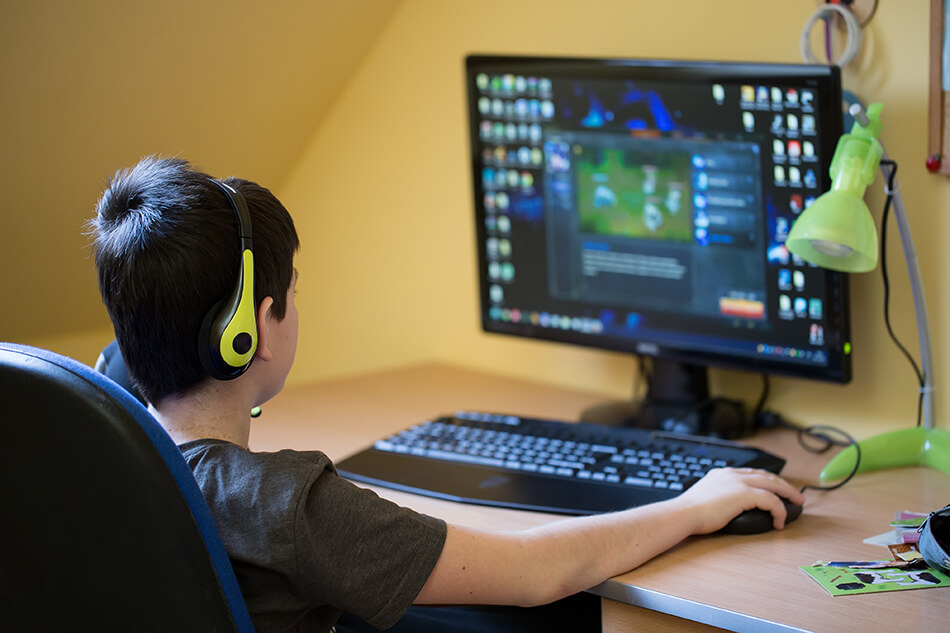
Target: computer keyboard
544, 465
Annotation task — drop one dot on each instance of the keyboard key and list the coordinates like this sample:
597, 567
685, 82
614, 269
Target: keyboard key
639, 481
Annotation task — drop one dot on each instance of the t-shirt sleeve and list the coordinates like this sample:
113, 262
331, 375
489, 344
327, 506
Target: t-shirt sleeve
361, 553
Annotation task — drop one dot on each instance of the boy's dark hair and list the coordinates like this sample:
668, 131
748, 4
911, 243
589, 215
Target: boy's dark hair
167, 249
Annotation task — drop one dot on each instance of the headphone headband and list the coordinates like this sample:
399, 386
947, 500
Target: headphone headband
239, 205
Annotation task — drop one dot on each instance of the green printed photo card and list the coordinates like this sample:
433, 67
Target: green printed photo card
843, 581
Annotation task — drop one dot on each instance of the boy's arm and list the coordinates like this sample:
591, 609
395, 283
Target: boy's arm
548, 562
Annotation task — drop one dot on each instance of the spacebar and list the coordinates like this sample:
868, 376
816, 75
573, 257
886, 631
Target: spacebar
466, 459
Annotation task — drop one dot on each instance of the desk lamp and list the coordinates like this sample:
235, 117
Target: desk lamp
837, 232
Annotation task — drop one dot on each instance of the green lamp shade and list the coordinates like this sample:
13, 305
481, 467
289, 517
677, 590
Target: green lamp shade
836, 232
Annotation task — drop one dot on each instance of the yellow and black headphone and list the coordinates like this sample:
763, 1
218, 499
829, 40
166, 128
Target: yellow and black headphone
228, 337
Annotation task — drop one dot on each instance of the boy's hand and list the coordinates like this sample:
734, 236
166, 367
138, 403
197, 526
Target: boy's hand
724, 493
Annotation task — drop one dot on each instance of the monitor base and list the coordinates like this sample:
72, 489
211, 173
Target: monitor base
677, 401
717, 417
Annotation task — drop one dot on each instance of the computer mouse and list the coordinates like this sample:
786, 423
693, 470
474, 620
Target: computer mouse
756, 521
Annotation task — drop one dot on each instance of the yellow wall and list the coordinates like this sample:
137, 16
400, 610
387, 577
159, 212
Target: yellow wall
382, 195
235, 86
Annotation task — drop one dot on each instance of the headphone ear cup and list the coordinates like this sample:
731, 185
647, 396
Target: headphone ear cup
216, 337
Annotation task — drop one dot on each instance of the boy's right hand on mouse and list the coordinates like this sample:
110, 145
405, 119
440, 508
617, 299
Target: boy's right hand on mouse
724, 493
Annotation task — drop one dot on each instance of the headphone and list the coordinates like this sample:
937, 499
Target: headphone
227, 340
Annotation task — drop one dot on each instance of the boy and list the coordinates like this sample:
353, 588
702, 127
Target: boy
306, 544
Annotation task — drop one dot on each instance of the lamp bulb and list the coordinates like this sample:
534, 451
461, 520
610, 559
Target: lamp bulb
831, 249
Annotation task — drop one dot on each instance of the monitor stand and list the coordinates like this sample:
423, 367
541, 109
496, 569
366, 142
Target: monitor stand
678, 401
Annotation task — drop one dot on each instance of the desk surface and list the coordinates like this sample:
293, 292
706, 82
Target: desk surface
742, 583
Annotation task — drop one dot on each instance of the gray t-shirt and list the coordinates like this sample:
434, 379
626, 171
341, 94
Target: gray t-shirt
306, 544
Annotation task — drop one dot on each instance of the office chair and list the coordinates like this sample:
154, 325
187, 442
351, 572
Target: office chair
102, 525
111, 363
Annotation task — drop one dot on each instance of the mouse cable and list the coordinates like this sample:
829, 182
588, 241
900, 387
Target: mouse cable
817, 431
807, 435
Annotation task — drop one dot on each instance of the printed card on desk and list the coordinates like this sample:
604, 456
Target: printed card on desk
843, 581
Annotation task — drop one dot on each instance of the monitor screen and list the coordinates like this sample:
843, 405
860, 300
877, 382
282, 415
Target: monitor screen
643, 205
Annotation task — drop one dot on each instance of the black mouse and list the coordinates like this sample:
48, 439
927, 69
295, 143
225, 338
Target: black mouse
756, 521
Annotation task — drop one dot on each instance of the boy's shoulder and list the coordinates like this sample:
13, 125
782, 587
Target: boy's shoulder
224, 469
255, 497
224, 452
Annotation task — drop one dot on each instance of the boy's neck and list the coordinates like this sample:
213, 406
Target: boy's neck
212, 412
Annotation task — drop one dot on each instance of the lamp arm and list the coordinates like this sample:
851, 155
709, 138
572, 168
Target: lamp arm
920, 306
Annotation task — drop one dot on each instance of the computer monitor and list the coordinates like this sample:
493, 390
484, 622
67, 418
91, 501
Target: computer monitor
642, 206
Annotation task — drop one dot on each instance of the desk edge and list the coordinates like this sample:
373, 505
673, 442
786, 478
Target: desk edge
689, 609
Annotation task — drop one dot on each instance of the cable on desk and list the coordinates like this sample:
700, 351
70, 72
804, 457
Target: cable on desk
817, 431
814, 439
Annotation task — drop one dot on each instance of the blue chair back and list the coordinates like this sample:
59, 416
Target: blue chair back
102, 526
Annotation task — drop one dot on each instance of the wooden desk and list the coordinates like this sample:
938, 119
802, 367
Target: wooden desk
740, 583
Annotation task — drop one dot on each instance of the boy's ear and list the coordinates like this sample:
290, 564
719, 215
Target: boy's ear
263, 323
